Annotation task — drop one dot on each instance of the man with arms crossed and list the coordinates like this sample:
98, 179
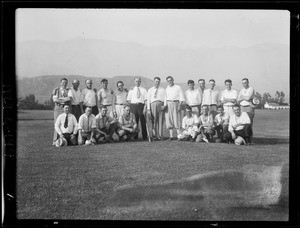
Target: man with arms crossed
211, 98
106, 97
87, 127
76, 99
174, 101
137, 98
228, 97
193, 98
66, 126
155, 103
90, 97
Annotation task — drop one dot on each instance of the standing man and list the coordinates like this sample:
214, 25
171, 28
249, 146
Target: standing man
87, 127
201, 89
245, 97
239, 125
120, 98
211, 98
76, 99
106, 97
155, 102
66, 126
137, 98
174, 101
228, 97
60, 98
193, 98
90, 97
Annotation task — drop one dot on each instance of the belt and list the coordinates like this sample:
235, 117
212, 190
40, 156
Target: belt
192, 106
173, 100
137, 103
157, 101
119, 104
213, 105
106, 104
245, 106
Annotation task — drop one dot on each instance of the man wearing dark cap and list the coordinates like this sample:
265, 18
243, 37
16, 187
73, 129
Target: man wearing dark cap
75, 93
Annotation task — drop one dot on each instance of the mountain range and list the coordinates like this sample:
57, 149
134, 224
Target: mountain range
266, 65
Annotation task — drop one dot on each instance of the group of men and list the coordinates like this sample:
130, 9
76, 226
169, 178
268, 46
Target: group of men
88, 116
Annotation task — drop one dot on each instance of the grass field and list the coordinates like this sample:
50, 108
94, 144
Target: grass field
153, 181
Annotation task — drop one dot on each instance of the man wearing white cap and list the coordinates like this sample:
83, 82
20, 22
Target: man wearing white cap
66, 126
75, 93
228, 97
86, 127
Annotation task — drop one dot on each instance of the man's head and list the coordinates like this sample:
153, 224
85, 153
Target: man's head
88, 111
188, 111
103, 110
75, 83
66, 109
127, 110
212, 83
156, 82
191, 84
137, 81
89, 83
220, 109
236, 109
104, 83
245, 83
201, 83
64, 83
170, 80
205, 109
120, 85
228, 84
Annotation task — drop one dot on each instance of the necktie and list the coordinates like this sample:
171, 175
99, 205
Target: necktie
88, 127
155, 94
66, 122
138, 93
65, 93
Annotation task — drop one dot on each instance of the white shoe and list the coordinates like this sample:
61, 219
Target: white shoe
205, 140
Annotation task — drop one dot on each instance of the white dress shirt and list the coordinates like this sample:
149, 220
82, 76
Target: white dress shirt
242, 119
188, 122
246, 92
76, 96
210, 97
133, 95
89, 97
193, 97
228, 94
72, 124
86, 123
174, 93
160, 95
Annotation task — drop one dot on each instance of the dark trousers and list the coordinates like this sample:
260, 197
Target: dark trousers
137, 110
67, 136
76, 111
245, 133
221, 130
110, 131
95, 110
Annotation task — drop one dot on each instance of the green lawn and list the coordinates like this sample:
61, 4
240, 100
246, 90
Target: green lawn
145, 180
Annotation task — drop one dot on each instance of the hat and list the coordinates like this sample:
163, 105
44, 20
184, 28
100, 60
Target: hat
61, 142
88, 142
239, 141
255, 101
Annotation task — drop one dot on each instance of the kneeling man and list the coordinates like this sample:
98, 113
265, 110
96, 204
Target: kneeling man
66, 126
86, 127
106, 125
239, 125
129, 128
221, 123
206, 127
189, 126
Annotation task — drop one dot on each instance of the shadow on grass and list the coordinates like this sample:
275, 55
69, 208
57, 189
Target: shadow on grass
270, 141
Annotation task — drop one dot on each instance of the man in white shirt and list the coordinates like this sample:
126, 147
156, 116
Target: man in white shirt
75, 93
156, 96
60, 98
137, 98
193, 98
189, 126
211, 98
87, 127
66, 126
120, 98
106, 97
221, 122
90, 97
239, 125
201, 83
228, 97
174, 102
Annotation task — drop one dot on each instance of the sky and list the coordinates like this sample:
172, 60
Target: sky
184, 28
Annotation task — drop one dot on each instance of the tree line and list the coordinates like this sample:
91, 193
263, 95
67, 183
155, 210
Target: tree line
30, 103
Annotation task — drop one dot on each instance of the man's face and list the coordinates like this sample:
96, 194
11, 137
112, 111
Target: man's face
66, 109
245, 83
64, 83
228, 85
76, 85
220, 110
237, 111
137, 82
156, 83
104, 84
188, 112
205, 110
104, 111
191, 86
170, 81
89, 84
127, 111
202, 84
120, 86
212, 84
88, 111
